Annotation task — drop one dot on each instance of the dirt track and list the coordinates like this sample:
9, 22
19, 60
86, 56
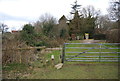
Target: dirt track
92, 41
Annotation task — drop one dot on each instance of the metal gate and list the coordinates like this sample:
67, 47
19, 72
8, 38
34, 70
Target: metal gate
91, 52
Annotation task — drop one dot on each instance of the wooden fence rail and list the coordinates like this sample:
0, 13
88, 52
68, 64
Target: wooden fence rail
27, 48
19, 55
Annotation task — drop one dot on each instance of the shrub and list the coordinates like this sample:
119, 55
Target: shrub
99, 36
41, 43
28, 34
11, 52
113, 36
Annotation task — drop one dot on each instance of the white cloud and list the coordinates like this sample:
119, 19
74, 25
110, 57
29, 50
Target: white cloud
31, 10
98, 4
15, 25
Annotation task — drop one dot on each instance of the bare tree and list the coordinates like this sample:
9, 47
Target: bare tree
114, 9
46, 25
90, 11
3, 27
103, 22
88, 20
47, 18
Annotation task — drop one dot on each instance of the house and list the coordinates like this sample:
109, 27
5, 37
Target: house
71, 27
15, 31
63, 27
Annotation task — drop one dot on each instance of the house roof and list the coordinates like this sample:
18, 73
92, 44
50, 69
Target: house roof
63, 17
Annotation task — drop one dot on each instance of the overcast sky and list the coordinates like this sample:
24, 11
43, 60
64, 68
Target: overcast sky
16, 13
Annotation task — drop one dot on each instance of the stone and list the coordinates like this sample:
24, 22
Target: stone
59, 66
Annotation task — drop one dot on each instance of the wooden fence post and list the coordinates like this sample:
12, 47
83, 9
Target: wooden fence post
52, 59
100, 52
20, 58
63, 53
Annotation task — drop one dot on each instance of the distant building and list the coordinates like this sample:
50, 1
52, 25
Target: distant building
63, 27
72, 27
15, 31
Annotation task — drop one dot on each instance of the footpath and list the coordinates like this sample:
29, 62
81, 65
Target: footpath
92, 41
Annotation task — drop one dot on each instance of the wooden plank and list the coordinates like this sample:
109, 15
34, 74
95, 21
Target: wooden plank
51, 49
27, 48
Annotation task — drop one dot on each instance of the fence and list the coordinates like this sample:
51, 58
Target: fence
91, 52
19, 55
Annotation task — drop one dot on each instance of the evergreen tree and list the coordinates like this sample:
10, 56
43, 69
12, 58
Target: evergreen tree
28, 34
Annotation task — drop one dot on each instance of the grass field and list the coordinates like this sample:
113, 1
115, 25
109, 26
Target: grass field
71, 70
75, 70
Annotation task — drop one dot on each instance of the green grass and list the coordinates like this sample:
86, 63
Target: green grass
70, 70
14, 70
75, 70
15, 66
